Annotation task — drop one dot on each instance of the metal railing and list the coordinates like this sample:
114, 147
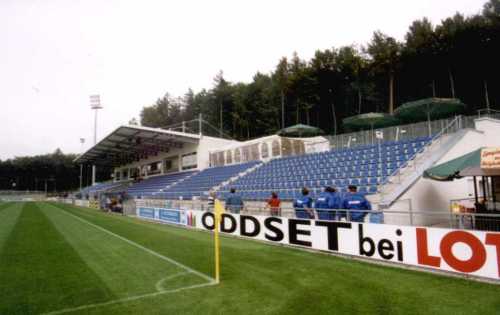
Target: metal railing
408, 131
488, 112
451, 127
198, 126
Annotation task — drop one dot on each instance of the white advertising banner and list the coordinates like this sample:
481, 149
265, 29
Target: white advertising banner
165, 215
468, 252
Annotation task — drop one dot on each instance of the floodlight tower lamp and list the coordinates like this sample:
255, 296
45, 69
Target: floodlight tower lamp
95, 104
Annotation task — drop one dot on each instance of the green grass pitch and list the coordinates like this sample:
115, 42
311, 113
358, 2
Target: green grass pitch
61, 259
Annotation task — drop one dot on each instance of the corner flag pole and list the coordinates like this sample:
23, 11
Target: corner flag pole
218, 210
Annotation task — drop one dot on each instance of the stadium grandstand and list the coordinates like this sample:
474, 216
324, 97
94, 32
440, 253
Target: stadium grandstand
160, 165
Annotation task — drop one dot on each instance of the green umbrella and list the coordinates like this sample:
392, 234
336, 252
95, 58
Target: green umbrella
300, 130
451, 170
369, 121
429, 108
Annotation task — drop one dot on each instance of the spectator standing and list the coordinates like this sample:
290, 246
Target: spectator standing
303, 205
356, 201
274, 204
234, 203
326, 202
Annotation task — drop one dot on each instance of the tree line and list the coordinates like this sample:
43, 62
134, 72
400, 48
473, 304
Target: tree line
457, 58
53, 172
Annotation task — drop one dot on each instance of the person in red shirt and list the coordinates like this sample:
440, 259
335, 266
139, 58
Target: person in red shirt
274, 204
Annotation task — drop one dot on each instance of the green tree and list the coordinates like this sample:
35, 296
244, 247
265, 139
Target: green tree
385, 52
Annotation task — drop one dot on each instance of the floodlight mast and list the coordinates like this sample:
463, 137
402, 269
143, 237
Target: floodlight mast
95, 104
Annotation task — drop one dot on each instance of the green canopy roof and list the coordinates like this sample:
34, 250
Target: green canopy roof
429, 108
300, 130
451, 170
369, 121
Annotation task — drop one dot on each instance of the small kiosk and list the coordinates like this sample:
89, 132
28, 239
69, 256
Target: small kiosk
483, 165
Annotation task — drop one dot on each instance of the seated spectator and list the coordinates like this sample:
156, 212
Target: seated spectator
303, 205
356, 201
234, 203
327, 200
274, 204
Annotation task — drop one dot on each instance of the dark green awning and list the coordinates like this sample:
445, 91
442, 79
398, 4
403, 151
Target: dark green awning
301, 130
451, 170
369, 121
429, 108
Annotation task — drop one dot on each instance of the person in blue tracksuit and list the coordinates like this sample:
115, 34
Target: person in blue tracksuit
336, 203
356, 201
328, 199
303, 205
234, 203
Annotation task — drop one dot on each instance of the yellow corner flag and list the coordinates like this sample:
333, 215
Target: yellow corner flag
218, 210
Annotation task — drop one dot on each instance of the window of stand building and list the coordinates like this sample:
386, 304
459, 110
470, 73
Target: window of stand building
254, 152
189, 161
171, 165
117, 175
220, 158
229, 157
264, 150
276, 148
237, 156
246, 154
124, 174
211, 158
134, 173
144, 170
298, 147
286, 147
154, 168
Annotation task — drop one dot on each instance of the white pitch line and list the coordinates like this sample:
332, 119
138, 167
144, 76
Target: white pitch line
170, 260
159, 284
128, 299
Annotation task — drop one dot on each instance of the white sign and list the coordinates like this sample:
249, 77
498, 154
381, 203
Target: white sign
468, 252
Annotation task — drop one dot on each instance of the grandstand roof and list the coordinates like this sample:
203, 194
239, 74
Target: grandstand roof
130, 143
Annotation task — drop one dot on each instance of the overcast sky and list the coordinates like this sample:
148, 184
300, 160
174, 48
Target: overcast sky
54, 54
